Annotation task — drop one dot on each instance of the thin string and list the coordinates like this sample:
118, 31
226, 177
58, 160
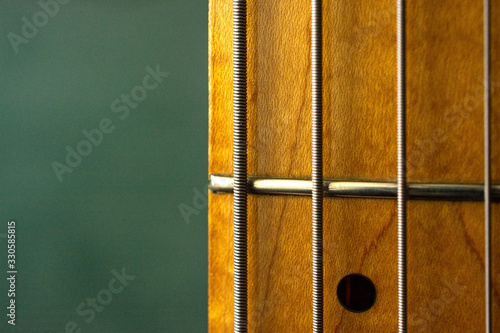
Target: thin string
317, 163
487, 163
240, 163
401, 151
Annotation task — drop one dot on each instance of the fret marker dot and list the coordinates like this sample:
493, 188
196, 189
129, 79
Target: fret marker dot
356, 293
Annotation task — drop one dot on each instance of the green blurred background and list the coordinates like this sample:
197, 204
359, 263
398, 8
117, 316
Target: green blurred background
119, 208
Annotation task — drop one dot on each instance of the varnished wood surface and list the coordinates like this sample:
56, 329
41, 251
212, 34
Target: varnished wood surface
445, 124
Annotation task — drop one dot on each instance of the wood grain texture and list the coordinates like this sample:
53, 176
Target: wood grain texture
445, 144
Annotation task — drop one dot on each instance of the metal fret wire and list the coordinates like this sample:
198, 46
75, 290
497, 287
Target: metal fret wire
317, 164
487, 162
240, 163
401, 151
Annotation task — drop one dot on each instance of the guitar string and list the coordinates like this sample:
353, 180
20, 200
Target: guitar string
401, 163
240, 163
487, 164
317, 164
